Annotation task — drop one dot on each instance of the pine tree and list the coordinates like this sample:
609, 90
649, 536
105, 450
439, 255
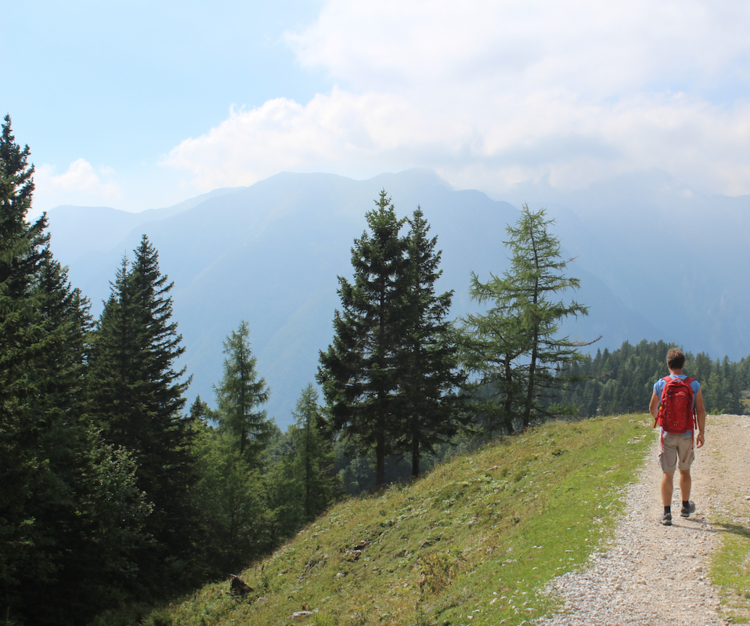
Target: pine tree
240, 394
430, 376
360, 370
519, 335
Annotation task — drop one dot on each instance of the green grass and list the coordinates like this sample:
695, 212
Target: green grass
730, 571
474, 542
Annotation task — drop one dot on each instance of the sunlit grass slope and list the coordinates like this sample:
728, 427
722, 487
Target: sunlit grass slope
730, 572
474, 542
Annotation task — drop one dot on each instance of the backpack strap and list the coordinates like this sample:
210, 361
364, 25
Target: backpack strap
656, 419
690, 382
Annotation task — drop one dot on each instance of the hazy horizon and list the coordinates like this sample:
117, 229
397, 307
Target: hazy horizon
140, 113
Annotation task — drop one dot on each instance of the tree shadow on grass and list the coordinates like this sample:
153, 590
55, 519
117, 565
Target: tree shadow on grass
735, 529
706, 526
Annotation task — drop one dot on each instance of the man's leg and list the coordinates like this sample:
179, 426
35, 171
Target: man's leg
668, 460
685, 483
687, 455
688, 508
667, 487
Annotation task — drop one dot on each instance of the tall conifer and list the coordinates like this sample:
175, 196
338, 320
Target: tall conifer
27, 548
138, 394
241, 394
307, 471
233, 485
430, 377
60, 485
361, 368
515, 346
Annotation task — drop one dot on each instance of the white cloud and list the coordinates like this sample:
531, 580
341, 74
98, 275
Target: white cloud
80, 184
491, 93
581, 45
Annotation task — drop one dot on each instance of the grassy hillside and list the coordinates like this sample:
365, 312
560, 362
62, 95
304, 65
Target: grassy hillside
474, 542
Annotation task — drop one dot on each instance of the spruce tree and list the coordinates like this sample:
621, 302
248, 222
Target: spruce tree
70, 514
240, 394
137, 396
360, 370
430, 377
308, 467
43, 438
22, 249
515, 346
315, 457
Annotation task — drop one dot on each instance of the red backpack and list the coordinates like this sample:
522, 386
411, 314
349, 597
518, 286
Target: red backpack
676, 410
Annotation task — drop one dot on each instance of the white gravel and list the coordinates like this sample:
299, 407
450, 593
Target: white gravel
652, 574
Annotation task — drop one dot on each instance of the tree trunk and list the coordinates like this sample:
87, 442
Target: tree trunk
535, 344
380, 460
415, 454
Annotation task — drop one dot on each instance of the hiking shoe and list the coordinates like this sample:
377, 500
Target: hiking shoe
688, 511
666, 519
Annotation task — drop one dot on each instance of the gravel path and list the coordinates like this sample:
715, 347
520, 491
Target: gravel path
652, 574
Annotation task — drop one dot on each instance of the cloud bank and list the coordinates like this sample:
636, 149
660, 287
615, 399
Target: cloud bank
492, 93
80, 184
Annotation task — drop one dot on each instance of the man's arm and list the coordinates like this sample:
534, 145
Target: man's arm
654, 406
700, 413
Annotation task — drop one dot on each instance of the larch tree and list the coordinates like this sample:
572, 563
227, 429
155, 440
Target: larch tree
233, 487
515, 347
233, 499
492, 344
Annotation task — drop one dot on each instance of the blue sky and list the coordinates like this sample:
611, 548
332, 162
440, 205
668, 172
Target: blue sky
139, 105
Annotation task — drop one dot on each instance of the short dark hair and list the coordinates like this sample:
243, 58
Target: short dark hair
675, 359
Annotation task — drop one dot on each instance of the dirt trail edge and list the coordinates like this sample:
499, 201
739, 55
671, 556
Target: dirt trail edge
653, 574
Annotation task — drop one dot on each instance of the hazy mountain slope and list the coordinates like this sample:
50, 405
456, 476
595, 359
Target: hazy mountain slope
271, 254
675, 255
79, 230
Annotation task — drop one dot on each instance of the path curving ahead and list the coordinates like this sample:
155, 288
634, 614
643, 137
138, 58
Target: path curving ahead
652, 574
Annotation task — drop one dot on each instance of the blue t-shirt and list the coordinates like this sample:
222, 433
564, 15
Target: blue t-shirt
661, 383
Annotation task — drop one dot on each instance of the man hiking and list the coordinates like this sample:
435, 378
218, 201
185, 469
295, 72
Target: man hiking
675, 404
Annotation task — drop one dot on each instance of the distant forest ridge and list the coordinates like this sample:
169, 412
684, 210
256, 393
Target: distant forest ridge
621, 381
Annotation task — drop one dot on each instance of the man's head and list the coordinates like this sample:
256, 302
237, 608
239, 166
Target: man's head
675, 359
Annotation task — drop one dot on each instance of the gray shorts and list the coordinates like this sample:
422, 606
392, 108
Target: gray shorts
676, 451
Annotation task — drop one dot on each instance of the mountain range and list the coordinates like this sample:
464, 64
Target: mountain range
656, 260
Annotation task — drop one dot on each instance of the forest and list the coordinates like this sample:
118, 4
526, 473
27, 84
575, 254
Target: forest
116, 490
621, 381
